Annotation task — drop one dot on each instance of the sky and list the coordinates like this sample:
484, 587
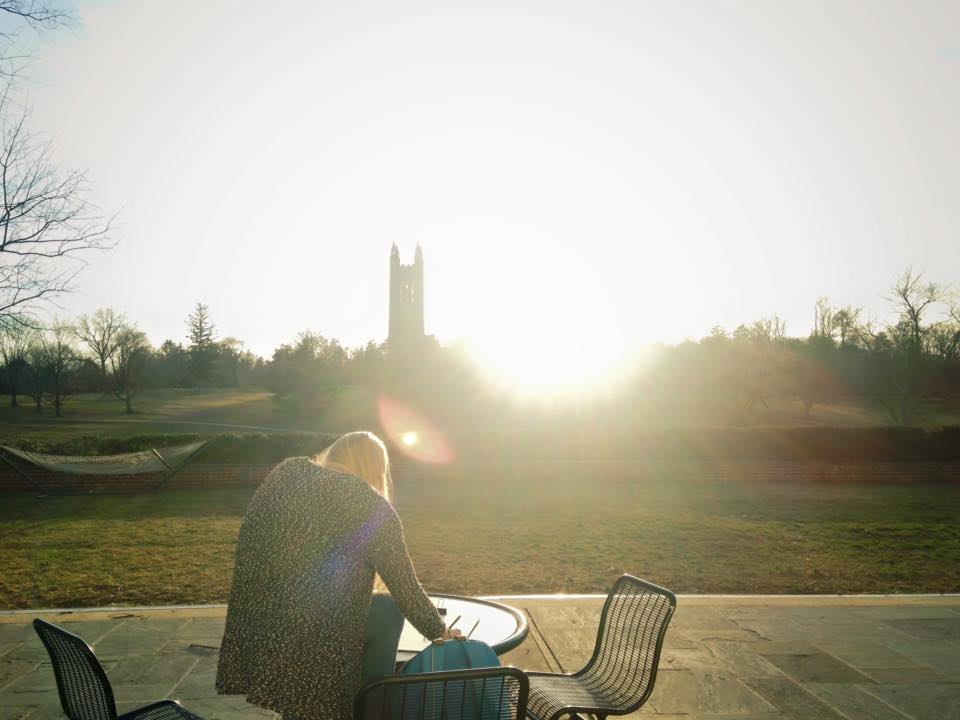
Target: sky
579, 174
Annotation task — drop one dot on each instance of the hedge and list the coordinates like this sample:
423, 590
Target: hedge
801, 444
721, 444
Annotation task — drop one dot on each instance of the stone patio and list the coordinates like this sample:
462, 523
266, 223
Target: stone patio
746, 658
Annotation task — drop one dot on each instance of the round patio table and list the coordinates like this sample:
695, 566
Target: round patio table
500, 626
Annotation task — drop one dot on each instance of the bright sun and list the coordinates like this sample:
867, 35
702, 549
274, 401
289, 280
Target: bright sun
541, 347
546, 366
544, 319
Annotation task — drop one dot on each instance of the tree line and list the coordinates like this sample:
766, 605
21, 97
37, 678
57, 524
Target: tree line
104, 352
899, 366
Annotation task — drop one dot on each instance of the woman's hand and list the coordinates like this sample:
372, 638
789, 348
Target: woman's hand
451, 634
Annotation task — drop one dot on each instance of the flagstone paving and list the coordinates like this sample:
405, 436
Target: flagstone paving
735, 658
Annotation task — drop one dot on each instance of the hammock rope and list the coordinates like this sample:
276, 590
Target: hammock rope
155, 460
164, 463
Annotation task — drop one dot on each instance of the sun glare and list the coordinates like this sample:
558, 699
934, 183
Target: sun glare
413, 433
550, 366
549, 342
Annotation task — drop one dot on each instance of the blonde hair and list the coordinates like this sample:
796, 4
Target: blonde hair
363, 455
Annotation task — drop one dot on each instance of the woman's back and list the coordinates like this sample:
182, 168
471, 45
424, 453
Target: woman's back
309, 546
302, 522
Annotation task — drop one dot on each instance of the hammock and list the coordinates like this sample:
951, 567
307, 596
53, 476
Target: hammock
163, 460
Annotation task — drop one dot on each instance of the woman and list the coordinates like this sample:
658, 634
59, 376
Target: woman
302, 632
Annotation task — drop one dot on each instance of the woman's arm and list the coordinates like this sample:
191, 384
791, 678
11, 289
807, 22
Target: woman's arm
392, 561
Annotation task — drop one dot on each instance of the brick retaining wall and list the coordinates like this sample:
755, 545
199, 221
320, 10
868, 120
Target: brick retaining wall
813, 472
221, 476
743, 471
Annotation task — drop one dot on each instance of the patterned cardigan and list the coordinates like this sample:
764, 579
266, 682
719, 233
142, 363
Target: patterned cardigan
310, 543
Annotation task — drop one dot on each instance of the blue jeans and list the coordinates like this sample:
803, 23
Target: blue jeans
382, 635
384, 624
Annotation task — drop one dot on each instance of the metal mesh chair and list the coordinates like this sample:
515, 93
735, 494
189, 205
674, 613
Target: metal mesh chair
498, 693
85, 692
620, 676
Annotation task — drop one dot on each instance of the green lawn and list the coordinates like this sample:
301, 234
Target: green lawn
178, 411
484, 526
492, 527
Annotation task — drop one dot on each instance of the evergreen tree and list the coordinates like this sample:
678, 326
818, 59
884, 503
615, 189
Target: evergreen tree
201, 336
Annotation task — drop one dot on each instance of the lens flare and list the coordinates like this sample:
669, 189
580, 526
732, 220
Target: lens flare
413, 433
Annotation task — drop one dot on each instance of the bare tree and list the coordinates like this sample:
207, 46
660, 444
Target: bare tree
824, 320
33, 375
944, 340
836, 323
913, 298
955, 326
847, 322
101, 334
45, 219
39, 16
907, 344
756, 369
59, 358
127, 361
778, 328
44, 213
15, 343
765, 330
35, 13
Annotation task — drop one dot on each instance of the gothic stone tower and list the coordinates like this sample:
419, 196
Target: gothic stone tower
406, 299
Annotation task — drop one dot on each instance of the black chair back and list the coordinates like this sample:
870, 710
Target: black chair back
632, 627
85, 692
498, 693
